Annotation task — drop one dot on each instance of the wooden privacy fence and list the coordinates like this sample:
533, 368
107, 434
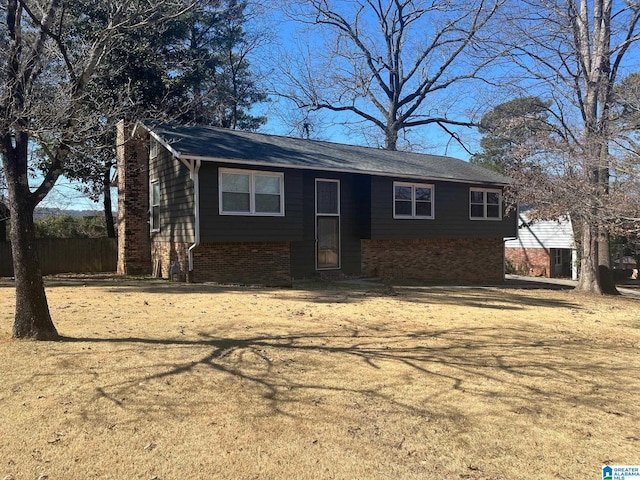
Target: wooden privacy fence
68, 255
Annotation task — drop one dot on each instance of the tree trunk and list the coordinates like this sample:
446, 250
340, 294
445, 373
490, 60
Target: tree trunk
588, 281
32, 318
607, 280
4, 219
391, 139
108, 212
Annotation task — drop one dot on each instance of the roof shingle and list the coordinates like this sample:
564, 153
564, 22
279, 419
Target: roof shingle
218, 144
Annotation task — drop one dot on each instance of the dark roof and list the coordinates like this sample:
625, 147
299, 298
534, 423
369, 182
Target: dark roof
234, 146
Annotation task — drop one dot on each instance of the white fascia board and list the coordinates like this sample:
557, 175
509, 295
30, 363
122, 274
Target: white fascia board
159, 139
168, 146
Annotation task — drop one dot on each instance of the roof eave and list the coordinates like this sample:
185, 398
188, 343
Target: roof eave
158, 138
258, 163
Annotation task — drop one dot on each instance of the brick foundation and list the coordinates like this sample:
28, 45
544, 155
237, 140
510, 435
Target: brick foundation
163, 254
263, 263
470, 261
534, 262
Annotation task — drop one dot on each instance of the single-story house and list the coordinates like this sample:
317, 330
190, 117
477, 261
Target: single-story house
238, 207
544, 248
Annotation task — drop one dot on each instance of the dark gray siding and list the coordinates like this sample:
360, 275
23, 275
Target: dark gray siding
366, 213
303, 256
247, 228
354, 195
451, 203
176, 198
353, 212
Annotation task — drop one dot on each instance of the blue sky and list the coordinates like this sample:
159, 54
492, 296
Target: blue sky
290, 39
65, 196
474, 99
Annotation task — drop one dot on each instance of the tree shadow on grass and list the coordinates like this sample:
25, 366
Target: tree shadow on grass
497, 298
483, 297
514, 294
509, 365
318, 291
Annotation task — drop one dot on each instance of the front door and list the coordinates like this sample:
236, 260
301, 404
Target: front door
327, 224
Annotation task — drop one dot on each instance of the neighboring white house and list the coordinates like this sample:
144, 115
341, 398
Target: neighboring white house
543, 248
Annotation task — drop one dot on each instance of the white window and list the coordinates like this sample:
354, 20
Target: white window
245, 192
412, 200
155, 206
154, 148
485, 204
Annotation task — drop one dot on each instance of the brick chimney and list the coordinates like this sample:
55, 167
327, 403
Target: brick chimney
134, 244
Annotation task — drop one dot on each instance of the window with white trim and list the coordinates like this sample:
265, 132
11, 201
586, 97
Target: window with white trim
155, 206
154, 148
485, 204
248, 192
412, 200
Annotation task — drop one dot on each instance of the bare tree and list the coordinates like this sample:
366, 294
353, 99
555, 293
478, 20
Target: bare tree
391, 64
626, 115
572, 53
50, 51
4, 209
3, 187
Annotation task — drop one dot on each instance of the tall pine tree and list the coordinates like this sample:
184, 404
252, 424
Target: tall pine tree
195, 69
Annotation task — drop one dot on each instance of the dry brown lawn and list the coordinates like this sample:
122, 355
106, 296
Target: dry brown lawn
159, 380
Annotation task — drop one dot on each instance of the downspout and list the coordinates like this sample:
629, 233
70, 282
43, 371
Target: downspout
195, 177
504, 244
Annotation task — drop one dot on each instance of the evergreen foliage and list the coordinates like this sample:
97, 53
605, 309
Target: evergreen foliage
192, 69
508, 126
66, 226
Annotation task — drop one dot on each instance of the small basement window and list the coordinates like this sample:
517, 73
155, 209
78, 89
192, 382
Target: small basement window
412, 200
485, 204
247, 192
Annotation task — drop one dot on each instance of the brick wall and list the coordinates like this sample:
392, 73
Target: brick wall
134, 252
529, 261
163, 254
264, 263
477, 260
